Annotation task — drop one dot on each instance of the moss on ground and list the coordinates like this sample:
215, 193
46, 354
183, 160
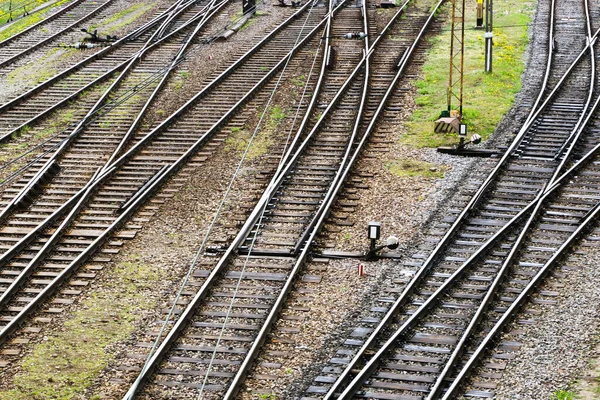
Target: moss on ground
122, 19
28, 20
57, 123
411, 168
487, 97
42, 70
563, 395
238, 140
249, 22
67, 363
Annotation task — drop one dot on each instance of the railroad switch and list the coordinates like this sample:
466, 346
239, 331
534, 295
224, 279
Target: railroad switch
448, 124
387, 4
293, 4
374, 233
94, 38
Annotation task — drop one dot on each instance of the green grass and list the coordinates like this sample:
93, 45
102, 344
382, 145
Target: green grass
563, 395
122, 19
411, 168
487, 97
263, 140
178, 80
5, 6
63, 366
33, 73
27, 21
299, 81
249, 22
267, 396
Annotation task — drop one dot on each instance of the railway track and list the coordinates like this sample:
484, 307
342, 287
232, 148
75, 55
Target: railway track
80, 207
217, 336
49, 29
513, 229
530, 211
21, 113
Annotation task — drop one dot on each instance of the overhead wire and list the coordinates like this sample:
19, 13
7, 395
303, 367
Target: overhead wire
112, 104
241, 275
222, 203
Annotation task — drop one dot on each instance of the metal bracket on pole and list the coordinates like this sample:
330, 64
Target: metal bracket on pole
489, 43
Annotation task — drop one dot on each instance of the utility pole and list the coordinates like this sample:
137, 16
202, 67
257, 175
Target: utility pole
457, 56
450, 118
489, 35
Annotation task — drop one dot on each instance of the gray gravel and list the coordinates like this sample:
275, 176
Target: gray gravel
51, 58
557, 348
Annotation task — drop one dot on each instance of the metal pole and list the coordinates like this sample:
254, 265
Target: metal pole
450, 78
489, 44
462, 58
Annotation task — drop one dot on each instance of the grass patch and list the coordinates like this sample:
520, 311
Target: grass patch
27, 21
121, 19
299, 81
179, 79
411, 168
249, 22
487, 97
239, 138
563, 395
5, 6
42, 70
63, 366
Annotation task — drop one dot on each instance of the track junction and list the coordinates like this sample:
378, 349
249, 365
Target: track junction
71, 199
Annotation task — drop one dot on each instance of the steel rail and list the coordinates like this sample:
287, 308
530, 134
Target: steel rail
313, 100
271, 318
575, 136
37, 45
92, 184
459, 349
473, 203
185, 315
494, 287
14, 324
379, 111
302, 240
294, 155
62, 147
171, 119
224, 259
37, 24
511, 312
211, 10
430, 302
181, 323
322, 51
31, 92
24, 191
422, 311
